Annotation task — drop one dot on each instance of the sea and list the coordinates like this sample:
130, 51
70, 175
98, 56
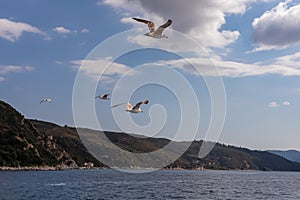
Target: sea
163, 184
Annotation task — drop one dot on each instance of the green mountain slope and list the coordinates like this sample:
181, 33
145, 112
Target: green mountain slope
21, 144
68, 139
26, 142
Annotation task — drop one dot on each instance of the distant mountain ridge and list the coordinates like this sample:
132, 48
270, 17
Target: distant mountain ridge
291, 155
25, 142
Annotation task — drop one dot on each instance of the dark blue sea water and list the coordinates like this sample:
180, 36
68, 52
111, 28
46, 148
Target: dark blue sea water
173, 184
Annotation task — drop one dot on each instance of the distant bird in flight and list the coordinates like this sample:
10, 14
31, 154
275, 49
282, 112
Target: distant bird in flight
104, 96
133, 109
46, 100
155, 33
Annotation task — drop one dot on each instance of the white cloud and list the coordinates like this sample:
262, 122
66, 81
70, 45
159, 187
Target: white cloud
288, 65
283, 66
200, 19
64, 31
84, 30
61, 30
14, 69
273, 104
59, 62
128, 20
11, 30
292, 60
8, 69
286, 103
277, 28
128, 5
106, 68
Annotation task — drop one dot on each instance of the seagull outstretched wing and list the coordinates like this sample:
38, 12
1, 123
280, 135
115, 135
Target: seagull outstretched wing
163, 27
117, 105
128, 105
139, 104
104, 96
46, 100
150, 24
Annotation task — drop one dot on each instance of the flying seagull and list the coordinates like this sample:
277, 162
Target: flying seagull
104, 96
155, 33
133, 109
46, 100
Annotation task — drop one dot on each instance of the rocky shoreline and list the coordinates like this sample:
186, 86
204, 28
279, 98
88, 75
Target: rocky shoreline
31, 168
44, 168
61, 168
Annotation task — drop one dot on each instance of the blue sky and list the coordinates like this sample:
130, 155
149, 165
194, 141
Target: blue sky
253, 43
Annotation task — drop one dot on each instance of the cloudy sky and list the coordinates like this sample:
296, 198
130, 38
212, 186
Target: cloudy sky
252, 46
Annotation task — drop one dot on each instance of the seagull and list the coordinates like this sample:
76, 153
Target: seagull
155, 33
133, 109
46, 100
104, 96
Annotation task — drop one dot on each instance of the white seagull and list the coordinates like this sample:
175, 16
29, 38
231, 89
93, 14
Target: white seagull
104, 96
46, 100
155, 33
133, 109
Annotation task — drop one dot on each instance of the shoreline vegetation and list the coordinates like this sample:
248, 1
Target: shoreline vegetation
27, 144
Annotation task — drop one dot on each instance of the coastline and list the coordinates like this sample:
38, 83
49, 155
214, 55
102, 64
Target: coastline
29, 168
44, 168
60, 168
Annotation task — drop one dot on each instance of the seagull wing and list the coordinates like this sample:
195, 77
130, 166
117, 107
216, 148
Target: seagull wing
150, 24
162, 27
46, 100
117, 105
105, 96
138, 105
129, 106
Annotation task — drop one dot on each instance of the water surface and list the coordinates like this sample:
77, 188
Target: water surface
165, 184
